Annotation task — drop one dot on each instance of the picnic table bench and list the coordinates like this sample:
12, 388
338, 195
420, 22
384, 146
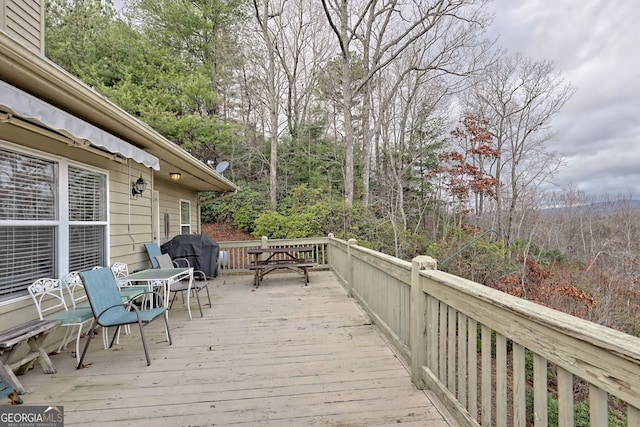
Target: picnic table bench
293, 258
33, 333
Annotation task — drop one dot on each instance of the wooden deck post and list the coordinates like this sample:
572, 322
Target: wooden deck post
418, 341
350, 243
264, 243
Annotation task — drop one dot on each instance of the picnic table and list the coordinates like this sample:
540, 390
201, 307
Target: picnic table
33, 333
286, 257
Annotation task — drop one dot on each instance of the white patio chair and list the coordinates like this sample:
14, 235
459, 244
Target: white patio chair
128, 290
48, 296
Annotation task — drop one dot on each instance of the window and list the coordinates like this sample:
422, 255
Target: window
87, 219
185, 217
53, 219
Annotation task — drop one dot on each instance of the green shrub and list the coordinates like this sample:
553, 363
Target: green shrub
242, 208
277, 226
580, 413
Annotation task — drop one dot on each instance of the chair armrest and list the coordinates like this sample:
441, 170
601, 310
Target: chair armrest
181, 262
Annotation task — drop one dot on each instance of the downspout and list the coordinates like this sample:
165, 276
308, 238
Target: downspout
133, 241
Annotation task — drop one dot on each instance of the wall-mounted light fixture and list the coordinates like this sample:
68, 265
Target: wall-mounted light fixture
175, 175
138, 187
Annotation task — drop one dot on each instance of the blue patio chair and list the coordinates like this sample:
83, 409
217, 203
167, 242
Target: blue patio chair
109, 310
153, 250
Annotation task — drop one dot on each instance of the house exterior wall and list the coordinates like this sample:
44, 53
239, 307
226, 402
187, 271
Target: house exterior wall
130, 223
24, 21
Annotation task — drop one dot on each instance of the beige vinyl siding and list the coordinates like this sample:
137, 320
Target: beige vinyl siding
24, 21
170, 197
130, 217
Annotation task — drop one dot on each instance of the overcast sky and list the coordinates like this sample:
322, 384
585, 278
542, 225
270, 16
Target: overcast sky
594, 44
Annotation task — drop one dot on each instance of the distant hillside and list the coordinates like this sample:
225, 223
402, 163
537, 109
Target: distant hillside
600, 208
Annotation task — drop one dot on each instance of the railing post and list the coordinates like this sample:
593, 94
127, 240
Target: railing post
351, 243
417, 323
264, 244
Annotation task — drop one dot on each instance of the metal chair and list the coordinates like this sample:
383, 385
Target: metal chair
128, 290
48, 296
153, 251
164, 261
109, 310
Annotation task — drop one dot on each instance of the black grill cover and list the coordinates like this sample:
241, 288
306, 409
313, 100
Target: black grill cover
201, 251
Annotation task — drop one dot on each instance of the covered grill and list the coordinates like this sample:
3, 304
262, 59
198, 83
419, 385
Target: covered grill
201, 251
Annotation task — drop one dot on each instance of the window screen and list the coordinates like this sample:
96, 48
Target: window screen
86, 247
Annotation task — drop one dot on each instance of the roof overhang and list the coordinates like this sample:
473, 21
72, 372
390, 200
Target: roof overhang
38, 76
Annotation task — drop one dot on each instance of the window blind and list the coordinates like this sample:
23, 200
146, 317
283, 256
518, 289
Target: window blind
87, 195
88, 204
28, 196
86, 247
26, 254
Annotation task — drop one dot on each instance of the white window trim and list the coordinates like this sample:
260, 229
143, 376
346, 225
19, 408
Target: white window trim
62, 223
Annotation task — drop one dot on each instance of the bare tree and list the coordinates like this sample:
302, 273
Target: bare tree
379, 31
518, 97
294, 47
264, 11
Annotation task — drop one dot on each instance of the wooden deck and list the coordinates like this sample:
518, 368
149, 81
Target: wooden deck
284, 354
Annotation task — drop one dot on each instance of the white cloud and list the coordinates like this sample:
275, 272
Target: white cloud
594, 44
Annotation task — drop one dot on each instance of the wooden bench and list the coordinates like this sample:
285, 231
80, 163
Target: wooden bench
33, 333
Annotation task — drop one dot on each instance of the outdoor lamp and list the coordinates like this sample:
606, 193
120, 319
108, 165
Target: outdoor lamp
175, 175
138, 187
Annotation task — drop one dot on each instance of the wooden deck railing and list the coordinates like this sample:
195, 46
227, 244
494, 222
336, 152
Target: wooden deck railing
488, 356
237, 258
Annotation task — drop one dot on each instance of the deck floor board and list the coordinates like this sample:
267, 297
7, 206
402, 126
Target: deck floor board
284, 354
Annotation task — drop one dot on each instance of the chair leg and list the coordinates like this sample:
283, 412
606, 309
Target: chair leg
78, 343
144, 342
86, 346
197, 291
105, 337
166, 326
116, 335
68, 333
208, 296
